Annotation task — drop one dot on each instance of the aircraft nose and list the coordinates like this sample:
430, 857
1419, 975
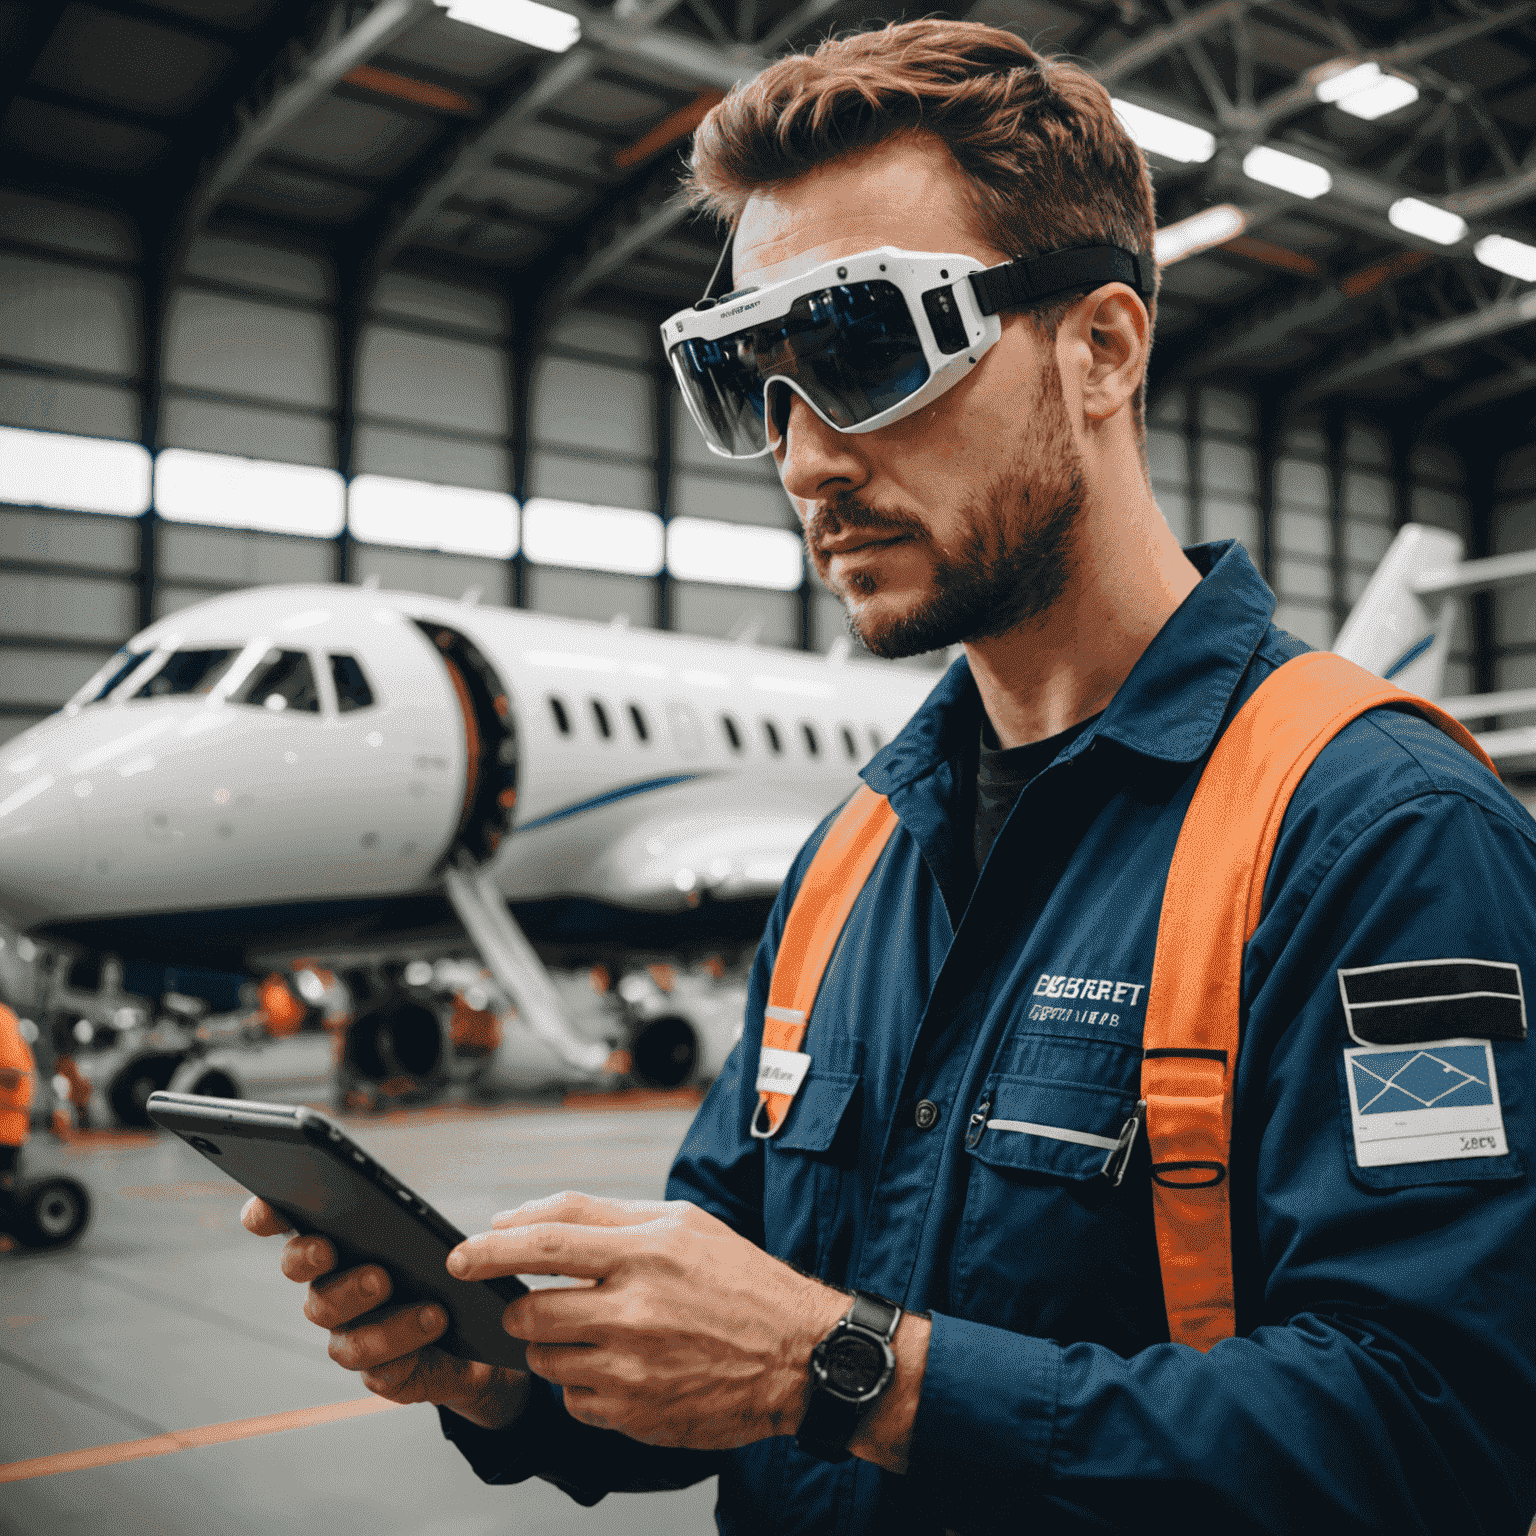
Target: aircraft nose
40, 852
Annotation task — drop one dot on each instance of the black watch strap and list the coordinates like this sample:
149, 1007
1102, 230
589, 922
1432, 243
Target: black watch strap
830, 1418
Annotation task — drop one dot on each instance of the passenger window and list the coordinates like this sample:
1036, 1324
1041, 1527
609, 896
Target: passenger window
771, 732
850, 746
875, 743
637, 719
812, 740
115, 672
284, 680
187, 672
562, 720
600, 716
732, 732
352, 690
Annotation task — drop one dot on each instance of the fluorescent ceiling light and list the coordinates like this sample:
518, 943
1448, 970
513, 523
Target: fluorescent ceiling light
592, 538
229, 492
1514, 258
77, 474
525, 21
1275, 168
418, 515
735, 554
1367, 91
1199, 232
1166, 136
1424, 219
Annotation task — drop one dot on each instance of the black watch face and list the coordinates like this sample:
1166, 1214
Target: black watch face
854, 1364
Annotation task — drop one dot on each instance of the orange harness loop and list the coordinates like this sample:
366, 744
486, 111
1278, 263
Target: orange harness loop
1211, 906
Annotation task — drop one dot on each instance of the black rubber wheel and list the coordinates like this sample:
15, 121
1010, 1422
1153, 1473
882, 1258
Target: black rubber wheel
665, 1052
130, 1089
216, 1083
50, 1212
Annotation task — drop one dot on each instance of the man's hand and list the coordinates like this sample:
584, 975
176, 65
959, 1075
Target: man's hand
688, 1334
393, 1349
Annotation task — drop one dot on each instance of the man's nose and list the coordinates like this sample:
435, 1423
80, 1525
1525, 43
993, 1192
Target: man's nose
815, 460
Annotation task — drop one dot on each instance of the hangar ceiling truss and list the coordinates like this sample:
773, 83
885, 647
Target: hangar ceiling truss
390, 133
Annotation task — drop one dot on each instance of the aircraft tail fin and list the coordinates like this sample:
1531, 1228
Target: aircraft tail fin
1395, 632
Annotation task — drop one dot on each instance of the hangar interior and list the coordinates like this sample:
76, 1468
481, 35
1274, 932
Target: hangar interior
368, 291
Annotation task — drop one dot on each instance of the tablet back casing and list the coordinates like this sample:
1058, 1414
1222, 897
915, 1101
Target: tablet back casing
305, 1166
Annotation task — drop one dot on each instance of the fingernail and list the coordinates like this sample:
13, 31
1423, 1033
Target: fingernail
371, 1285
429, 1319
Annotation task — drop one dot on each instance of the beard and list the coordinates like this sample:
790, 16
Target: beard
1015, 558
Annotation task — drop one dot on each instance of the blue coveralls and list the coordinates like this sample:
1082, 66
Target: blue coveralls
1384, 1374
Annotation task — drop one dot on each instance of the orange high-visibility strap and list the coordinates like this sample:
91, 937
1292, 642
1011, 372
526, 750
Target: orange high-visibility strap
18, 1073
1211, 906
816, 917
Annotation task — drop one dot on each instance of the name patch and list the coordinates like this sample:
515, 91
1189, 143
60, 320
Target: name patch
781, 1071
1416, 1001
1425, 1103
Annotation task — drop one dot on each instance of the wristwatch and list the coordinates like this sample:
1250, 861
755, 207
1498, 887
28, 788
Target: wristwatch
850, 1369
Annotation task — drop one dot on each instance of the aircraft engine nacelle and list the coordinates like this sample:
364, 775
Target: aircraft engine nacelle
398, 1048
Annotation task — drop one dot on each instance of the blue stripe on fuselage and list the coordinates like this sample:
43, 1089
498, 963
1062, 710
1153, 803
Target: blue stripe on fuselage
608, 797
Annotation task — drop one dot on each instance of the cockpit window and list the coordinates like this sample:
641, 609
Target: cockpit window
352, 690
282, 680
115, 672
187, 672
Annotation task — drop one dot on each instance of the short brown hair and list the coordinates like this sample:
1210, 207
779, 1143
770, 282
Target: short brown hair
1047, 162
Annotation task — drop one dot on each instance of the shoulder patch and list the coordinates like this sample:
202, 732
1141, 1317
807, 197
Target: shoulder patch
1429, 1104
1412, 1002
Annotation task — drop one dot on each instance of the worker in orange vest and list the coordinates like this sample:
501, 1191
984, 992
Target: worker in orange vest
18, 1079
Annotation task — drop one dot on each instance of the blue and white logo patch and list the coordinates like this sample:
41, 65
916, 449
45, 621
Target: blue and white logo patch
1424, 1103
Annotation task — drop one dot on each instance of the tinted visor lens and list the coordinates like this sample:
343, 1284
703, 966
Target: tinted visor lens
853, 349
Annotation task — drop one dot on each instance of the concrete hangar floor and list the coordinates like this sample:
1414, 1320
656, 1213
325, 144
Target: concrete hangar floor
166, 1316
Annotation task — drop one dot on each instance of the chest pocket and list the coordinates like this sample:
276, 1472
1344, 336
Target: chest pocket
1048, 1245
805, 1164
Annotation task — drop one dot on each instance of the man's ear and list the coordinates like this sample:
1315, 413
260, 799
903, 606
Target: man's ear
1109, 336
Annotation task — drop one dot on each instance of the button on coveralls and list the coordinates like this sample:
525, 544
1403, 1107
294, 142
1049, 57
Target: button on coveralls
1383, 1376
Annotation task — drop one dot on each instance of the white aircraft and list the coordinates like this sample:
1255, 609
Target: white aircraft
363, 778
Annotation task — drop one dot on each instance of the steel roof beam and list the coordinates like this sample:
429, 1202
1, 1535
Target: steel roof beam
305, 79
1442, 336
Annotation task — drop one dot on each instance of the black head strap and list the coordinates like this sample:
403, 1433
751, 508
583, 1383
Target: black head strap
1030, 279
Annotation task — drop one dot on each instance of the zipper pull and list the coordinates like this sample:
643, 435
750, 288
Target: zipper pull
1120, 1154
978, 1125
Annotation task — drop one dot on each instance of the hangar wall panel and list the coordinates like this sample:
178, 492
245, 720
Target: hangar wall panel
66, 607
66, 226
598, 595
417, 570
421, 455
584, 405
606, 483
68, 315
65, 538
243, 347
726, 612
235, 558
68, 405
407, 375
246, 431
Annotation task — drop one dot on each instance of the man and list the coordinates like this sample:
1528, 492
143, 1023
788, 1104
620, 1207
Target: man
1383, 1374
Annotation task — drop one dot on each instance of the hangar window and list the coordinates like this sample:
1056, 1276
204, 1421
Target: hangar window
187, 672
115, 672
283, 680
352, 690
562, 720
637, 719
600, 719
732, 732
812, 740
771, 731
850, 746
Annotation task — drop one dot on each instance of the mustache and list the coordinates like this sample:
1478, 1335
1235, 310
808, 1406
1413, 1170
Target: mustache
845, 514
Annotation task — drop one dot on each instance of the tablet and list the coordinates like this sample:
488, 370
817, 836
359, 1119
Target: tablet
306, 1167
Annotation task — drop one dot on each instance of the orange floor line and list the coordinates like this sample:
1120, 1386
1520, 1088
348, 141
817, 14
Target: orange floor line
189, 1439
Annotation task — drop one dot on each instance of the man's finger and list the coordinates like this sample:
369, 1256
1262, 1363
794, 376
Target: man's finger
565, 1314
335, 1300
573, 1207
307, 1258
259, 1217
551, 1248
398, 1333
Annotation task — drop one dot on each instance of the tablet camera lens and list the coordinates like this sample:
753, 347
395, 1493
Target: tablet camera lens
204, 1145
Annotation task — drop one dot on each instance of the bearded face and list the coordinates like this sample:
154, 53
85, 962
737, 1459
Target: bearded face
1008, 563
